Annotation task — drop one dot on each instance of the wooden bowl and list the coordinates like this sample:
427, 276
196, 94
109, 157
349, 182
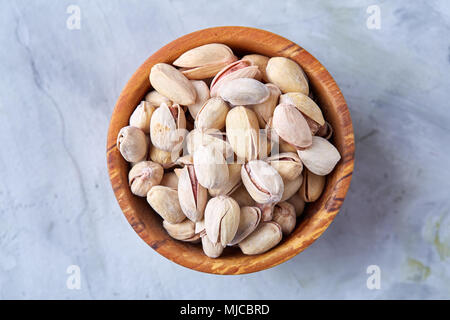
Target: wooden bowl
317, 216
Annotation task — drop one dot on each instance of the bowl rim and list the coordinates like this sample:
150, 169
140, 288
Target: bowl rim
331, 204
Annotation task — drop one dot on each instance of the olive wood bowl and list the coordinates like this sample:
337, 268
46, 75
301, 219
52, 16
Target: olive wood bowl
317, 216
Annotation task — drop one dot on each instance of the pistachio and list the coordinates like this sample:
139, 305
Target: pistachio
170, 179
266, 236
168, 127
291, 187
222, 216
243, 132
164, 201
325, 131
156, 99
132, 144
210, 167
140, 118
143, 176
233, 182
191, 194
288, 165
212, 114
287, 75
321, 157
299, 204
244, 91
165, 158
284, 215
290, 125
266, 211
202, 96
185, 160
264, 111
248, 221
312, 186
262, 181
260, 61
286, 147
212, 250
242, 197
184, 231
172, 84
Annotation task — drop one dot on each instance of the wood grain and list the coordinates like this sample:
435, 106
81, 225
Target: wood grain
317, 217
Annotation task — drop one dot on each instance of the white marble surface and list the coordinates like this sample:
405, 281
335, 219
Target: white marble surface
57, 91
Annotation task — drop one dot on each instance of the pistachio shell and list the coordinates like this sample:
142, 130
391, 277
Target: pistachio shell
299, 204
172, 84
266, 211
170, 179
264, 111
290, 125
244, 91
191, 194
210, 167
305, 104
312, 186
291, 187
185, 160
222, 216
212, 115
164, 201
262, 181
184, 231
233, 182
143, 176
208, 54
202, 96
248, 221
288, 165
132, 144
212, 250
287, 75
165, 158
321, 157
242, 197
260, 61
325, 131
211, 137
284, 215
140, 118
156, 99
286, 147
266, 236
168, 127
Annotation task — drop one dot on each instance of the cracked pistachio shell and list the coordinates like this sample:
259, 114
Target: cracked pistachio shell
183, 231
165, 158
143, 176
264, 111
185, 160
284, 215
212, 115
287, 75
164, 201
132, 144
210, 167
172, 84
233, 182
325, 131
202, 96
168, 127
290, 125
299, 204
266, 211
170, 179
222, 216
242, 197
321, 157
244, 91
288, 165
212, 250
235, 70
248, 221
312, 186
243, 132
262, 181
156, 99
260, 61
191, 194
140, 118
211, 137
266, 236
291, 187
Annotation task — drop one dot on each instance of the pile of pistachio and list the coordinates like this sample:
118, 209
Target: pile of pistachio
228, 151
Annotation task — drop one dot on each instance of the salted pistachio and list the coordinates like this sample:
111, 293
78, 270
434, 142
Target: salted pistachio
211, 137
168, 127
288, 165
140, 118
321, 157
284, 215
242, 197
243, 91
291, 187
171, 83
170, 179
165, 158
262, 181
312, 186
235, 70
248, 221
212, 114
143, 176
156, 99
243, 132
260, 61
310, 110
266, 211
264, 111
233, 182
266, 236
191, 194
205, 61
202, 96
325, 131
212, 250
222, 216
183, 231
210, 167
287, 75
290, 125
132, 144
299, 204
164, 201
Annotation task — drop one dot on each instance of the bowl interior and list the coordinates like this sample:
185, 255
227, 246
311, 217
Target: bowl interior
317, 216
